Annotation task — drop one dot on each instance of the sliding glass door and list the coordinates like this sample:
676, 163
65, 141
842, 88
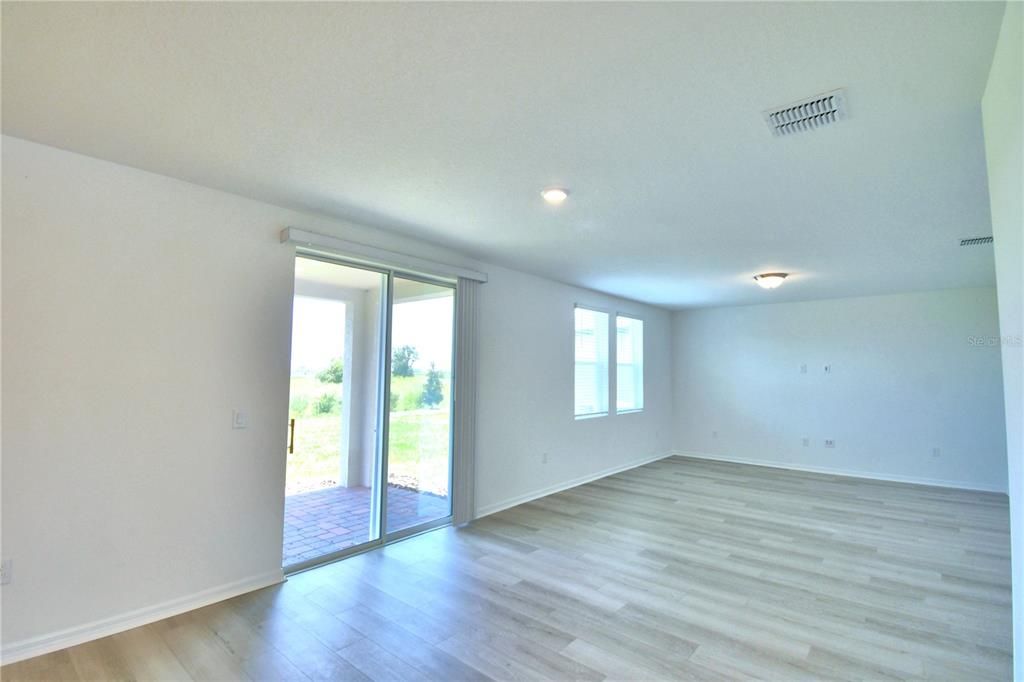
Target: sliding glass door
418, 448
370, 409
332, 474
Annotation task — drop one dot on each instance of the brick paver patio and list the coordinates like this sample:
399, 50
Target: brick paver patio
329, 520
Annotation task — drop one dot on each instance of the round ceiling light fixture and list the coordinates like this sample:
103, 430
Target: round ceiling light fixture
555, 195
771, 280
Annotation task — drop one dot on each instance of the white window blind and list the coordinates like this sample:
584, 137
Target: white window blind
591, 381
629, 364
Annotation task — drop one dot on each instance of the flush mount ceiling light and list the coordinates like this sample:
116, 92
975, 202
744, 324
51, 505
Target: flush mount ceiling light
771, 280
555, 195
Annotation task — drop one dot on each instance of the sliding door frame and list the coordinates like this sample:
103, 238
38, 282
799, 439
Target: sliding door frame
379, 497
392, 536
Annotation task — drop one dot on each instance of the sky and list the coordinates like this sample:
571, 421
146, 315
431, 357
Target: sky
318, 332
427, 326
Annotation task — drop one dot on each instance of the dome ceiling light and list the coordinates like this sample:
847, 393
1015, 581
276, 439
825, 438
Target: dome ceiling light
771, 280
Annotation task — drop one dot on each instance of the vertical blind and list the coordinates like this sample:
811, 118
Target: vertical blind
591, 368
464, 452
629, 363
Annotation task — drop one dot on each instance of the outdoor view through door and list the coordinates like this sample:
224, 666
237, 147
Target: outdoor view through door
341, 323
419, 423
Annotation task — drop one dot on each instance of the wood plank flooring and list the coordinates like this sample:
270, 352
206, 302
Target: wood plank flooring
681, 569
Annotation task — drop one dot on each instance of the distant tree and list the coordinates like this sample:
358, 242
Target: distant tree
333, 374
432, 392
402, 360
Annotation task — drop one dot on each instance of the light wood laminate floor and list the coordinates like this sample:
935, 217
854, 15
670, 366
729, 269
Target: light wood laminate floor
680, 569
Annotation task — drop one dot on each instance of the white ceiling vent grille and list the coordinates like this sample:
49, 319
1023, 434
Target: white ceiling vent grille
807, 114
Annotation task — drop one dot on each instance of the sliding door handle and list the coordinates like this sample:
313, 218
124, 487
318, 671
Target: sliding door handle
291, 436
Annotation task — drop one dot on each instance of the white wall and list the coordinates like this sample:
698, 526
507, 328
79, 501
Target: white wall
1002, 114
526, 393
138, 311
905, 379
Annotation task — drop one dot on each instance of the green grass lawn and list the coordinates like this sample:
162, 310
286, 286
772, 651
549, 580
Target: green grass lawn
418, 454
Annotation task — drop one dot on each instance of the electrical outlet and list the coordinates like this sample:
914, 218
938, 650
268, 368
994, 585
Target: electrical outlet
544, 458
803, 369
936, 452
807, 442
829, 443
828, 369
239, 419
714, 434
5, 571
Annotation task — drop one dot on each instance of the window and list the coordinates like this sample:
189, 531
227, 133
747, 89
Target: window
591, 380
629, 364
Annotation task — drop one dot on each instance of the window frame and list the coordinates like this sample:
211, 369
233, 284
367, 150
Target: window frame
604, 385
638, 372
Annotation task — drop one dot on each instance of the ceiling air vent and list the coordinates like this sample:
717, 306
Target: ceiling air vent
975, 241
807, 114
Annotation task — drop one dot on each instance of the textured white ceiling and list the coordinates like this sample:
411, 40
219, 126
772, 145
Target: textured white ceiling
444, 121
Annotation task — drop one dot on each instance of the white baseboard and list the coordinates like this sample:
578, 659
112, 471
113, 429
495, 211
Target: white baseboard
937, 482
44, 644
520, 499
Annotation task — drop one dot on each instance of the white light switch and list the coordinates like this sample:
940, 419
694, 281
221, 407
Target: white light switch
239, 419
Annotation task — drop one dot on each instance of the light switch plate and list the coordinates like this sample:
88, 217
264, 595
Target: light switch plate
239, 419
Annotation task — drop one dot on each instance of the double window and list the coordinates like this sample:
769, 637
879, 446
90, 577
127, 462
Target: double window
592, 367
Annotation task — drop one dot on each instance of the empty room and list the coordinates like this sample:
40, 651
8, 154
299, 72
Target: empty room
511, 341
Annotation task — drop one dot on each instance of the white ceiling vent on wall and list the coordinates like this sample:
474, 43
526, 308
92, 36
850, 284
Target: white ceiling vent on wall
807, 114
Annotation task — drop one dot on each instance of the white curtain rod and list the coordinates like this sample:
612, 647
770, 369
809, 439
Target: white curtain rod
371, 255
